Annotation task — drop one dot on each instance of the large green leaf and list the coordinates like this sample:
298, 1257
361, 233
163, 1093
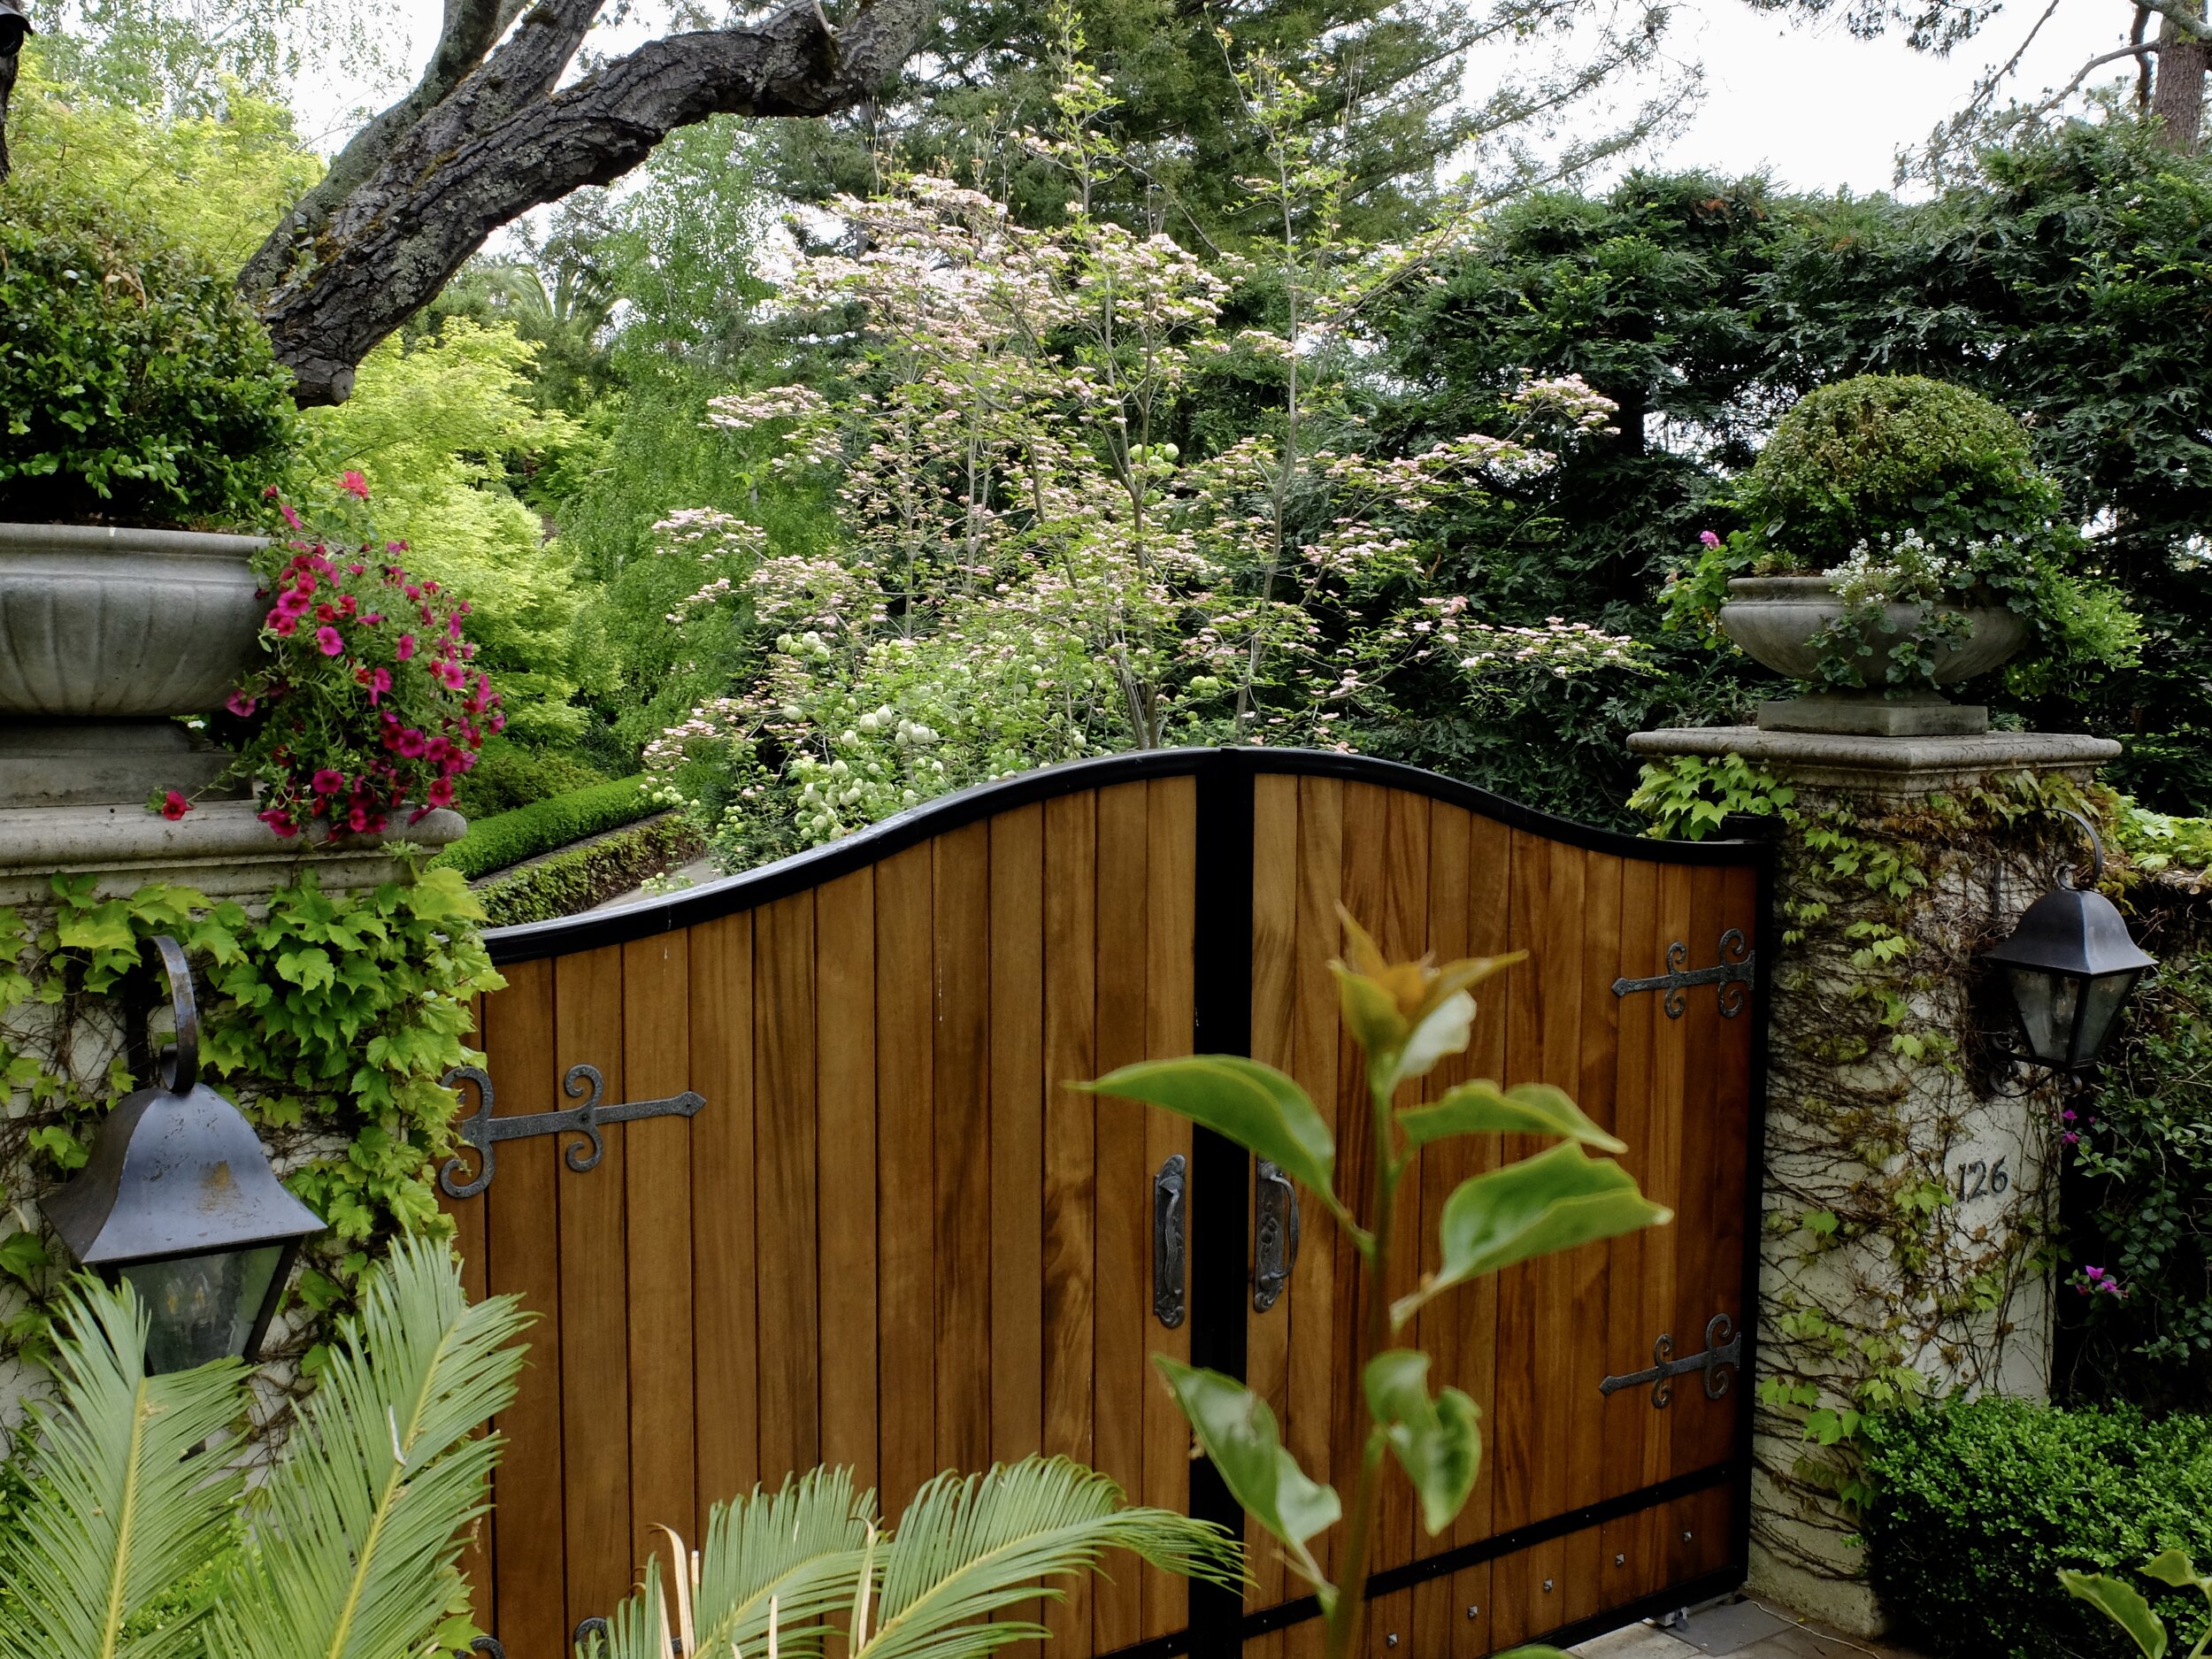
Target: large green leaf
1483, 1108
1554, 1201
357, 1530
2170, 1566
1254, 1105
2124, 1605
1438, 1442
1239, 1432
117, 1510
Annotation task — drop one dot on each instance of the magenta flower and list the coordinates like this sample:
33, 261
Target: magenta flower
330, 641
175, 806
290, 518
451, 675
1708, 538
353, 484
240, 704
328, 781
439, 793
413, 745
278, 820
406, 646
379, 680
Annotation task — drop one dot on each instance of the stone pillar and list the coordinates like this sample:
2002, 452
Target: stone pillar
1906, 1191
219, 849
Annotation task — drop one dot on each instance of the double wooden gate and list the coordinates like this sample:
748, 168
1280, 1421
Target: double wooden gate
799, 1184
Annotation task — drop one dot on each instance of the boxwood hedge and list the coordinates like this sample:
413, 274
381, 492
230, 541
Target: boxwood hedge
508, 838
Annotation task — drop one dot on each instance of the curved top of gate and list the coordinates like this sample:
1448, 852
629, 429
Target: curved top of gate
531, 940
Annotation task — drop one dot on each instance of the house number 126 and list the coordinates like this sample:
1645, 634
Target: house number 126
1979, 1180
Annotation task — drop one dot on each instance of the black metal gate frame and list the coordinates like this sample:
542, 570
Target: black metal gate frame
1220, 1171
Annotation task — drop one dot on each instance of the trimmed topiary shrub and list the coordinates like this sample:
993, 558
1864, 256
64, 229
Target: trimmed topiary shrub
591, 874
1981, 1503
135, 386
541, 827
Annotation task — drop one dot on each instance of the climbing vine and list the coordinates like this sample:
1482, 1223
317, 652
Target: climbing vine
1908, 1217
327, 1016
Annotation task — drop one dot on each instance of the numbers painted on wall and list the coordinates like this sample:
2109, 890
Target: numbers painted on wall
1980, 1179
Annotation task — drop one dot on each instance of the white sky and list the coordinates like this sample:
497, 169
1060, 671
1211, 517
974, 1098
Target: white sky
1820, 108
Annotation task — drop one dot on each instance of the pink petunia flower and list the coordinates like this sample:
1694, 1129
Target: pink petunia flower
175, 806
328, 781
439, 793
331, 641
279, 821
353, 484
240, 704
1708, 538
290, 518
406, 647
379, 680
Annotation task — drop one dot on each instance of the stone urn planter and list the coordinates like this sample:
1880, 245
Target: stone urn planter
1777, 619
104, 635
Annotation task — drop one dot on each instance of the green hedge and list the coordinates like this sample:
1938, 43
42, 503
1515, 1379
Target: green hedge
508, 776
584, 876
1982, 1503
509, 838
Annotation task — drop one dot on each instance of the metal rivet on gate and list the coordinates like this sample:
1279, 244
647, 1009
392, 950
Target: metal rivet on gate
1620, 1561
1473, 1610
1687, 1535
1391, 1640
1547, 1586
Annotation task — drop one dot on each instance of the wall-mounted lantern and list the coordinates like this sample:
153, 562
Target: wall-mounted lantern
2069, 966
178, 1200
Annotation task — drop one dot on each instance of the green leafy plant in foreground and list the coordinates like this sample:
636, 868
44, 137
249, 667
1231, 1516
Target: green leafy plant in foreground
133, 1488
2121, 1603
1406, 1017
777, 1565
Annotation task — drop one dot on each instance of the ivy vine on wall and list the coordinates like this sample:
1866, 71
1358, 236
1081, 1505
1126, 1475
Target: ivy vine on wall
328, 1016
1909, 1220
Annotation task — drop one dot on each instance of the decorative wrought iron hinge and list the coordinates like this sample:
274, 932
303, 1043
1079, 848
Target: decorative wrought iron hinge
482, 1130
1733, 972
1723, 1355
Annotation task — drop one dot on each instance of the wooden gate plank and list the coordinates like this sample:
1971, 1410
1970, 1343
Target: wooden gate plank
906, 1289
522, 1233
594, 1361
1278, 962
1071, 1150
1406, 933
784, 1185
1170, 1010
1017, 1134
725, 1317
845, 1086
960, 957
1311, 1299
1122, 1308
657, 1173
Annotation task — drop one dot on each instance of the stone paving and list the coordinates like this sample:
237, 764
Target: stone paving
1745, 1629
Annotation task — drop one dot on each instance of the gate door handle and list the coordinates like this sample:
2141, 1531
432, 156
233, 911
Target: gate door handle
1274, 1235
1169, 1229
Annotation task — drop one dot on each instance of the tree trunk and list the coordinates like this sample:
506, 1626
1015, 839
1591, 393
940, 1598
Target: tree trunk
422, 187
2178, 94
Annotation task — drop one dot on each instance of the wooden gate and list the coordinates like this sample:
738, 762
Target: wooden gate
832, 1205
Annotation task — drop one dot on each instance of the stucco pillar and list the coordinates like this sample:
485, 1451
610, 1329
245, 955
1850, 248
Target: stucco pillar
1906, 1191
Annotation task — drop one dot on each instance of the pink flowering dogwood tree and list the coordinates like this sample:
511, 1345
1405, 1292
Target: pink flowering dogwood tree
1030, 568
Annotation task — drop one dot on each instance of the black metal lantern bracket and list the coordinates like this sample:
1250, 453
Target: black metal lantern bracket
2069, 967
178, 1197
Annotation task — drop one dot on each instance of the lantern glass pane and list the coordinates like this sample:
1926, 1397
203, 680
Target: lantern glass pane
202, 1308
2047, 1002
2107, 993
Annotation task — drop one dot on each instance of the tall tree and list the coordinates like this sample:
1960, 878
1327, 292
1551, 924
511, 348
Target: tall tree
1391, 103
490, 131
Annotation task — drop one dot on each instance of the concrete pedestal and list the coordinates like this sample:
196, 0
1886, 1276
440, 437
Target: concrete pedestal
1904, 1193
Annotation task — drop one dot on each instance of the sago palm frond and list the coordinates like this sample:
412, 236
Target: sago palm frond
799, 1548
970, 1547
357, 1524
965, 1548
117, 1508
